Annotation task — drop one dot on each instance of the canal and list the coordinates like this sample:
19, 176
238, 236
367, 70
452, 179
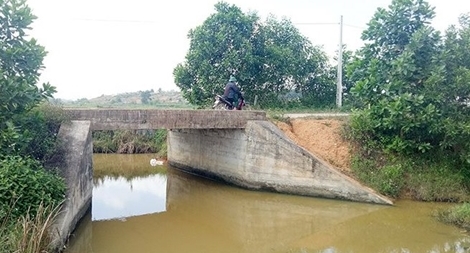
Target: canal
139, 208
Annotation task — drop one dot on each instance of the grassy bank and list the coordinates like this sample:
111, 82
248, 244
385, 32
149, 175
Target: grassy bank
130, 142
432, 177
30, 233
458, 215
438, 176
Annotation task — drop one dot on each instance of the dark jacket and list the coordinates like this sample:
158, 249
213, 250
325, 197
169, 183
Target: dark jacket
232, 92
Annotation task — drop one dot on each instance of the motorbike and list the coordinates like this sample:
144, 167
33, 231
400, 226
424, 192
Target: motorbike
221, 103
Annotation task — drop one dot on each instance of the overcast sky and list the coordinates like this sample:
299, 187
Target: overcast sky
113, 46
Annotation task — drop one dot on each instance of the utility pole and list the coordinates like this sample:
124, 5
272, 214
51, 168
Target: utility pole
339, 86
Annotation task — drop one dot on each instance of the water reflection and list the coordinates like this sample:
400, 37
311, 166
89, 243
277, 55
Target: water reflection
118, 197
204, 216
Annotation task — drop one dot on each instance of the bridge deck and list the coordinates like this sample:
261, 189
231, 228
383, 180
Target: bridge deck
114, 119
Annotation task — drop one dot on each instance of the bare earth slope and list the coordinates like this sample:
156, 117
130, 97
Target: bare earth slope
321, 137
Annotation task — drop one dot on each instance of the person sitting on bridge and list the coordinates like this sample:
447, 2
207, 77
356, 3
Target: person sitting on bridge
232, 93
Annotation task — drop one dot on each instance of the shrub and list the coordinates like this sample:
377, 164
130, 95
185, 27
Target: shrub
33, 133
130, 141
41, 128
387, 179
25, 185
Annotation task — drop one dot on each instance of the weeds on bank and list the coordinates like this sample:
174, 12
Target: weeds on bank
437, 175
458, 215
30, 233
412, 177
130, 141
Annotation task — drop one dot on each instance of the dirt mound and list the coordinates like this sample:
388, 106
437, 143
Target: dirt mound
321, 137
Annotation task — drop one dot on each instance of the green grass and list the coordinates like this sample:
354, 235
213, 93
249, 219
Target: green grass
458, 215
30, 233
435, 177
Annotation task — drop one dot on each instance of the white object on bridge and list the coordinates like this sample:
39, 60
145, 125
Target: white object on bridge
155, 162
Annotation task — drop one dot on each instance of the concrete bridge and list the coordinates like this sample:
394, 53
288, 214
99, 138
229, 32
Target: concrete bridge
115, 119
241, 148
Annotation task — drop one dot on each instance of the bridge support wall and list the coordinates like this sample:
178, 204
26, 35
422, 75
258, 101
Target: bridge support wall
74, 161
261, 157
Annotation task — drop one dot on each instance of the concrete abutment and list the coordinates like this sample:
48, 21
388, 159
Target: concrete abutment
262, 157
74, 161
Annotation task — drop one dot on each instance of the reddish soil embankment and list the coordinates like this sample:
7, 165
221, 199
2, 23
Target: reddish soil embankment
321, 137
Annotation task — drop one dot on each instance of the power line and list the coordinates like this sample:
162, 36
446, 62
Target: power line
355, 26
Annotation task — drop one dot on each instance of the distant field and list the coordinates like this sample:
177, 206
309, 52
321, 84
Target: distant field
135, 100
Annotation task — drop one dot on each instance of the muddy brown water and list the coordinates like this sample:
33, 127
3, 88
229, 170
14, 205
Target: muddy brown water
172, 211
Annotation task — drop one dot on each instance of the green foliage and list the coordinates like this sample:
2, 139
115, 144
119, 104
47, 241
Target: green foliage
458, 215
391, 177
27, 136
433, 176
40, 128
269, 59
386, 179
395, 65
433, 185
411, 90
160, 142
21, 131
33, 133
130, 141
454, 89
103, 142
320, 89
20, 62
145, 96
25, 185
411, 85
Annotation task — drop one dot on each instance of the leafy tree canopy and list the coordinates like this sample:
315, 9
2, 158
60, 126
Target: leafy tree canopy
269, 59
21, 60
412, 84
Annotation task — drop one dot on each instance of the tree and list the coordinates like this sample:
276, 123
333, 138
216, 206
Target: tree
269, 59
394, 73
145, 96
412, 86
454, 92
319, 91
20, 65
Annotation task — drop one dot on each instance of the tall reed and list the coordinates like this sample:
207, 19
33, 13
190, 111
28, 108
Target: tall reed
31, 233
